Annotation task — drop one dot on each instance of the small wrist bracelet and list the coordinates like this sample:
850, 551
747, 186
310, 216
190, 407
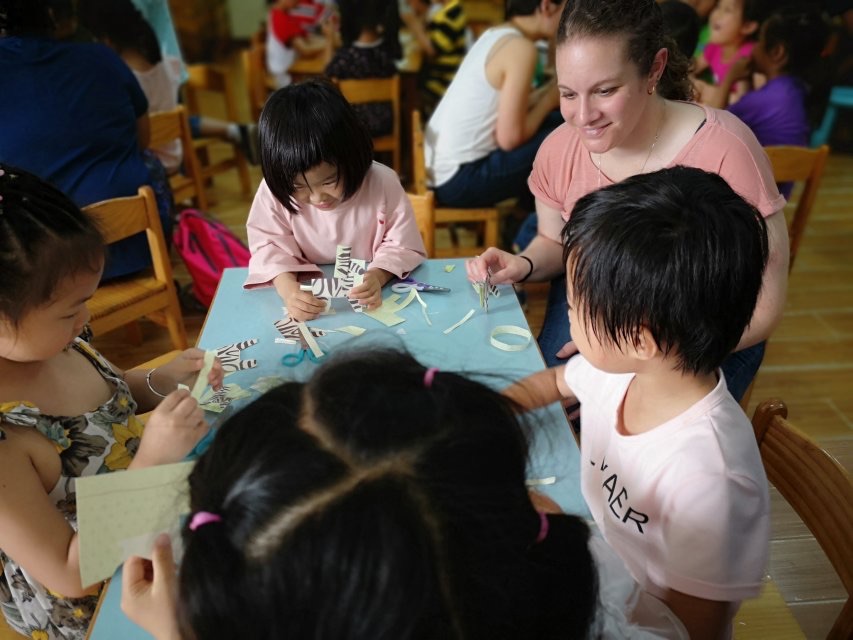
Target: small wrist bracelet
530, 262
150, 386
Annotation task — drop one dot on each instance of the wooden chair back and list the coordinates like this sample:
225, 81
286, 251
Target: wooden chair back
423, 205
817, 487
214, 81
255, 68
799, 164
167, 126
486, 219
367, 90
150, 293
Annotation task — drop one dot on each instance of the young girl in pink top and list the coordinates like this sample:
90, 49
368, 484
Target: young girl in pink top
734, 28
322, 189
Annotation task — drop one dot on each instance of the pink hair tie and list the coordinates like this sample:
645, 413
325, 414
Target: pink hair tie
543, 527
201, 518
429, 374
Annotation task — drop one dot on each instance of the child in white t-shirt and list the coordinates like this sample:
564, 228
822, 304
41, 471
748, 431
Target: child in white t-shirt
664, 270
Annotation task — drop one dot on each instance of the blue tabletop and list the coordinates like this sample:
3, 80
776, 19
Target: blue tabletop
237, 315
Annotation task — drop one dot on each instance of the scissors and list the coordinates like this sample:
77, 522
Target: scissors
405, 284
295, 359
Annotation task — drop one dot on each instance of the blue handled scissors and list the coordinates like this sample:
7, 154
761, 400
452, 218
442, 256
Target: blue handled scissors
295, 359
403, 285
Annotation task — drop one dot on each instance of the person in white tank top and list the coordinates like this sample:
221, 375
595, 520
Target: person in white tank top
482, 138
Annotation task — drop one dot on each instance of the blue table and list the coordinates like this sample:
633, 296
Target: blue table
237, 315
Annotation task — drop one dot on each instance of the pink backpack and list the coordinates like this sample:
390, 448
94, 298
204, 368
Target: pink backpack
207, 247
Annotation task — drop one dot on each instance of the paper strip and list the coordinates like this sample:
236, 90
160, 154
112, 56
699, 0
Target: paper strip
449, 267
423, 307
309, 340
461, 322
387, 313
201, 381
350, 329
508, 329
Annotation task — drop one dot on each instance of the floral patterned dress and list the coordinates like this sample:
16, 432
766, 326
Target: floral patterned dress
98, 442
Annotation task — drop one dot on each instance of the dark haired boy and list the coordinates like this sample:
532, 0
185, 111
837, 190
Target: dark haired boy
664, 270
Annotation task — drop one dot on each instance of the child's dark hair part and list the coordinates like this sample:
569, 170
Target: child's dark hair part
676, 252
369, 503
44, 238
308, 123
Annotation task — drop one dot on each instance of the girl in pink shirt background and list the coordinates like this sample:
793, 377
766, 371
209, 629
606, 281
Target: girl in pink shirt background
322, 189
734, 29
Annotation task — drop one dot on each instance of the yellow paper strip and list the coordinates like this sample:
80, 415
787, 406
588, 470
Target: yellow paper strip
201, 381
508, 329
309, 340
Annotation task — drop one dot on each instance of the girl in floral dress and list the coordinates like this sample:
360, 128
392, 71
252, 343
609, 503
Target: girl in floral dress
65, 411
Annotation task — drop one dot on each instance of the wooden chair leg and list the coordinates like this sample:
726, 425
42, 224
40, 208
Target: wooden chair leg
133, 332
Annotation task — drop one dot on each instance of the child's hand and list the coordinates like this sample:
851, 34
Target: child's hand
369, 292
172, 430
302, 305
740, 69
188, 363
149, 591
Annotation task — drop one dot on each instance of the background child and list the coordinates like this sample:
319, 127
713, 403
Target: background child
289, 25
441, 29
322, 189
682, 24
369, 31
121, 26
391, 508
787, 53
664, 270
65, 412
734, 28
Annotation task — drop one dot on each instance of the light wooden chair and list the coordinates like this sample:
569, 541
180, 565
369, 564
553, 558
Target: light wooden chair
817, 487
258, 82
167, 126
378, 90
487, 218
793, 164
423, 205
210, 80
151, 293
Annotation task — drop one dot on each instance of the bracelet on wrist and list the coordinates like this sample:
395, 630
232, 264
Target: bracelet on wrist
530, 271
151, 386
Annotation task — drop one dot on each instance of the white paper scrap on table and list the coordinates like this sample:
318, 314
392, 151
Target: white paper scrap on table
350, 329
115, 510
461, 322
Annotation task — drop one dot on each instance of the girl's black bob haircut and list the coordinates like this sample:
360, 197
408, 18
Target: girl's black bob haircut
308, 123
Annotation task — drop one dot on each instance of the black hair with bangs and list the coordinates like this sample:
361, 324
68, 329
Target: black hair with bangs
676, 252
308, 123
44, 238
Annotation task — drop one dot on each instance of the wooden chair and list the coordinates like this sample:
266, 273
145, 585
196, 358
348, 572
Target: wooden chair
817, 487
791, 164
378, 90
151, 293
258, 82
487, 218
206, 79
167, 126
423, 205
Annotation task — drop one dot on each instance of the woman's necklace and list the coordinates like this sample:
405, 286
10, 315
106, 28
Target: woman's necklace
651, 147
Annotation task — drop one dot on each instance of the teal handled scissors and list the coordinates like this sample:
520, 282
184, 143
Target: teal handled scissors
403, 285
295, 359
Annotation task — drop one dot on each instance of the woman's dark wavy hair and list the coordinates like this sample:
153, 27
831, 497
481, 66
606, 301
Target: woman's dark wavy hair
44, 238
308, 123
640, 23
676, 252
123, 24
364, 504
